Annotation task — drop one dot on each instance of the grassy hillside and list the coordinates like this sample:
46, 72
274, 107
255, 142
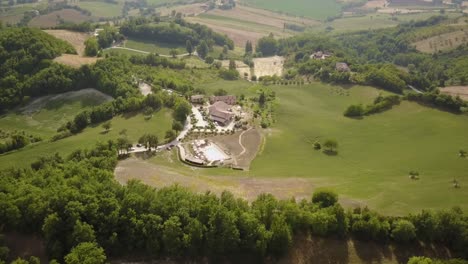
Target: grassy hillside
57, 112
317, 9
375, 153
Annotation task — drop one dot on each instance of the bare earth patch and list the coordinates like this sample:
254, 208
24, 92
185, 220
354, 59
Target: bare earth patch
268, 66
461, 91
188, 10
239, 36
372, 4
75, 60
246, 187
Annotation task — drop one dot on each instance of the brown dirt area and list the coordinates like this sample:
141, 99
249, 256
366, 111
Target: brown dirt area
239, 36
50, 20
461, 91
77, 40
268, 66
262, 17
241, 154
75, 60
375, 4
241, 186
188, 10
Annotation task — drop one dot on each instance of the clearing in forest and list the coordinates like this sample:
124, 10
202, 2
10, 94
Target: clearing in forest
461, 91
54, 18
442, 42
77, 40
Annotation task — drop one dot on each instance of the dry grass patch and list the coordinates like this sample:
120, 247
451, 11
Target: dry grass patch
372, 4
76, 39
188, 10
241, 186
461, 91
443, 42
268, 66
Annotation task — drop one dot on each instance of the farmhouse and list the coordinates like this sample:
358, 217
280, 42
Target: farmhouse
220, 112
320, 55
228, 99
197, 99
342, 67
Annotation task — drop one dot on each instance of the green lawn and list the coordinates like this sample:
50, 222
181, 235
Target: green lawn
153, 46
45, 122
317, 9
102, 9
375, 153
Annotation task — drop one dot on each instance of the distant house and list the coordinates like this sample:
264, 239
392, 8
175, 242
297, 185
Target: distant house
197, 99
320, 55
342, 67
228, 99
220, 112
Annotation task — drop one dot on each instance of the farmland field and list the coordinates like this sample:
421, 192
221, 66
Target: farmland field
153, 46
102, 9
316, 9
51, 19
375, 153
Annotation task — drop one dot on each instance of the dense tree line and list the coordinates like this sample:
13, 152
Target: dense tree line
176, 31
381, 104
442, 101
25, 53
74, 200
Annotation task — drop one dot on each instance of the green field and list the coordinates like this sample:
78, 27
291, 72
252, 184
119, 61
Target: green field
153, 46
375, 153
102, 9
45, 123
317, 9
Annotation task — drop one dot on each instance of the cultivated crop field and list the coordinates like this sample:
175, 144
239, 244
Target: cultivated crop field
316, 9
102, 9
375, 154
153, 47
52, 19
442, 42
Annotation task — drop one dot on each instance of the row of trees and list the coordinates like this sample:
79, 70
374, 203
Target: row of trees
75, 200
176, 31
381, 104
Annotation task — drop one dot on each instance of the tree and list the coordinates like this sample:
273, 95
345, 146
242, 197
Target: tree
173, 53
225, 49
330, 145
177, 126
404, 231
86, 253
267, 45
91, 47
262, 99
220, 92
248, 47
462, 153
354, 111
325, 198
170, 135
189, 47
82, 232
419, 260
122, 144
202, 49
281, 236
182, 110
232, 64
172, 235
107, 125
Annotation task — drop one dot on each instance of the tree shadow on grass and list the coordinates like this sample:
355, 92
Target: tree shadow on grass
329, 152
129, 115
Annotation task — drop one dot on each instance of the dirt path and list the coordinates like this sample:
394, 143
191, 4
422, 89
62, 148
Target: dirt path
240, 143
